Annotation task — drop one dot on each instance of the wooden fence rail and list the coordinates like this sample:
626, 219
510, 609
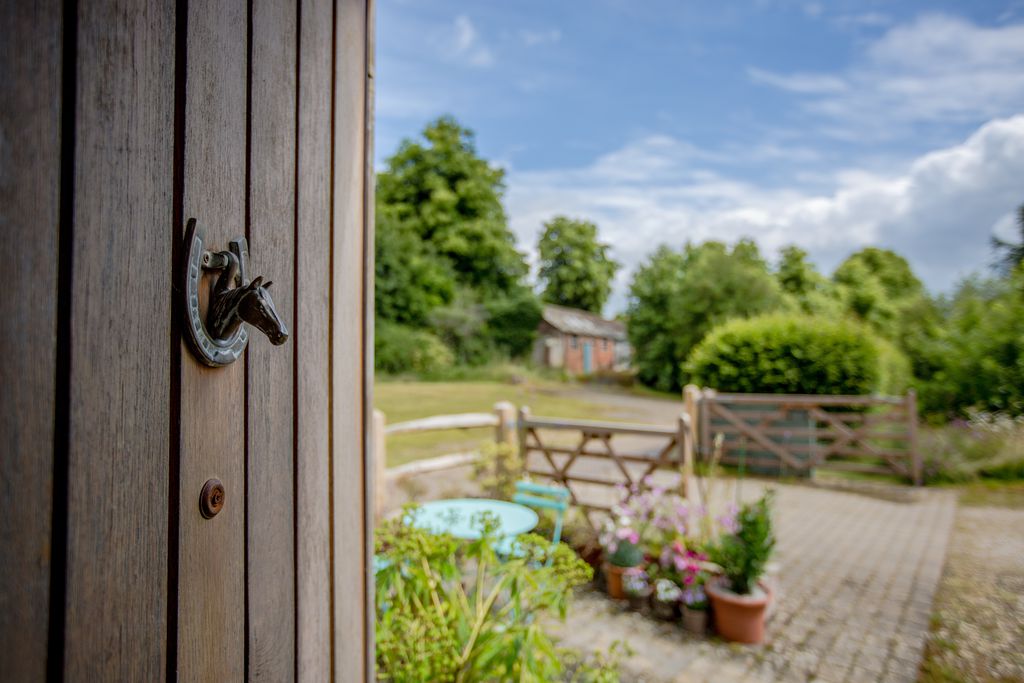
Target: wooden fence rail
596, 462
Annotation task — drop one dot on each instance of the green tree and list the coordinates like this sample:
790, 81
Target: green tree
575, 267
676, 298
879, 287
811, 290
411, 280
983, 351
874, 284
451, 199
1011, 254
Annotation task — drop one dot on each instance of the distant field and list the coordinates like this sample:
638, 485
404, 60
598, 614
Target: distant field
409, 400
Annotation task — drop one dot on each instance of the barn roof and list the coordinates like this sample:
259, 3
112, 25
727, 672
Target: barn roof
575, 321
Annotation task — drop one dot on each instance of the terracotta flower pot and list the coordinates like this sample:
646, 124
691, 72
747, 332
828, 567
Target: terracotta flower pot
613, 580
739, 618
695, 620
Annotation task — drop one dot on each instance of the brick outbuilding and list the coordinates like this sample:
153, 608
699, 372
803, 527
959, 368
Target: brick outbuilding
581, 342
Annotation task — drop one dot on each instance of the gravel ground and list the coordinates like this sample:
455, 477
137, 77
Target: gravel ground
978, 619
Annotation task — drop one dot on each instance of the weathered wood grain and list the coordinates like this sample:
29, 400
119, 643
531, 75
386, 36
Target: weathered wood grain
269, 393
312, 342
211, 591
270, 522
367, 328
30, 71
120, 330
348, 418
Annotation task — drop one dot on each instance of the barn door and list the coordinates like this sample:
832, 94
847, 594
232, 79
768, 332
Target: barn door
168, 515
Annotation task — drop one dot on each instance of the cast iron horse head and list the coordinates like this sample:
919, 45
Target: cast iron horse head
247, 302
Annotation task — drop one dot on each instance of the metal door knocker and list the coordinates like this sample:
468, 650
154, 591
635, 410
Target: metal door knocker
221, 338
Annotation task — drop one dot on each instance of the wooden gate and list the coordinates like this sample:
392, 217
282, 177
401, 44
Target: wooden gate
794, 434
592, 467
120, 121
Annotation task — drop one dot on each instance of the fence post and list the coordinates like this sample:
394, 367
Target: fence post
523, 416
915, 452
504, 431
380, 464
691, 407
686, 451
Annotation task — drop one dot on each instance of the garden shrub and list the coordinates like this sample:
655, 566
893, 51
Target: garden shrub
986, 446
399, 349
787, 354
452, 610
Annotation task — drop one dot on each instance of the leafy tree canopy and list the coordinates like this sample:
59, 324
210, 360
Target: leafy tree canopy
451, 198
411, 279
981, 357
676, 298
813, 292
1011, 254
574, 266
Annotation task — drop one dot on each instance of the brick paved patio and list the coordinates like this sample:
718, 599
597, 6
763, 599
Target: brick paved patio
854, 579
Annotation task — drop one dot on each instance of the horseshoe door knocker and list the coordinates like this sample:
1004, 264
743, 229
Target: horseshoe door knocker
221, 338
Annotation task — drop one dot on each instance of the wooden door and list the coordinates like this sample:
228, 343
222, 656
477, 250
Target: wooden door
119, 122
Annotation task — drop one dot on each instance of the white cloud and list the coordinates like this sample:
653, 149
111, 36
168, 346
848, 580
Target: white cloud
936, 69
465, 45
939, 210
540, 36
799, 83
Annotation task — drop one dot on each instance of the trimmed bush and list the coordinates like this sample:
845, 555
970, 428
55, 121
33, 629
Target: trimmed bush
787, 354
399, 349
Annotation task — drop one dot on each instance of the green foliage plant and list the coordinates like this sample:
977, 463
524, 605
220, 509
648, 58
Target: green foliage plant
498, 469
449, 610
400, 349
985, 446
675, 298
742, 555
451, 198
576, 269
796, 354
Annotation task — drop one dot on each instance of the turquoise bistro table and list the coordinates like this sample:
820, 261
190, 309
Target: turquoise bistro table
456, 517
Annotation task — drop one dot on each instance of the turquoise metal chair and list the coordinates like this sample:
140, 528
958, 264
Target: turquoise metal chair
546, 498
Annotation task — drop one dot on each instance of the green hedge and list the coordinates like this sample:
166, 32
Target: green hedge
787, 354
399, 349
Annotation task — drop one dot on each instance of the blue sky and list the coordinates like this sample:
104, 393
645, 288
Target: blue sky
831, 125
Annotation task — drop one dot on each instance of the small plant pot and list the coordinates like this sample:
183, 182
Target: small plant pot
739, 618
695, 621
613, 580
592, 555
638, 603
666, 611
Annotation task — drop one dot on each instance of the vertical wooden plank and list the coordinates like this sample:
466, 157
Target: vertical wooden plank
118, 438
270, 521
211, 596
369, 451
30, 71
348, 419
311, 328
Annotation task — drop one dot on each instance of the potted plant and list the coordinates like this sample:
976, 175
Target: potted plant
695, 609
623, 535
637, 587
739, 599
624, 553
665, 601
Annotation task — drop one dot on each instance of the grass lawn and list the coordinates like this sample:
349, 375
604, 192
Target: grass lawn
408, 400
